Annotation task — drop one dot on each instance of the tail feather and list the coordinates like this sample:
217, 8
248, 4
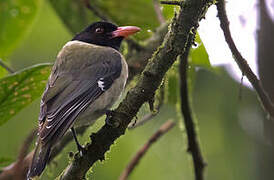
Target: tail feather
39, 160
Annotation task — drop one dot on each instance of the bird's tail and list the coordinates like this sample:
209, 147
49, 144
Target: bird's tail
39, 160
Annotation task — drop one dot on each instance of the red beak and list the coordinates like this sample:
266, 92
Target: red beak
125, 31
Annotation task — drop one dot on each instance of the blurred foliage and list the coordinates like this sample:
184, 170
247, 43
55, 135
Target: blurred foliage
20, 89
4, 161
16, 17
47, 37
229, 151
172, 86
74, 14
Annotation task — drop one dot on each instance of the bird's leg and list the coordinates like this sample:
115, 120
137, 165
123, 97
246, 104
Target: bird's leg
79, 147
109, 114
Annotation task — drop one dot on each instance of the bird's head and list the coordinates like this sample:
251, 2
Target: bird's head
105, 34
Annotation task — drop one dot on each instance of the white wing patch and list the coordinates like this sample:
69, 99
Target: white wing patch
101, 84
48, 127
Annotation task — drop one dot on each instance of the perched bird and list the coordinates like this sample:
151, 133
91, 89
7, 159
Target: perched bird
87, 78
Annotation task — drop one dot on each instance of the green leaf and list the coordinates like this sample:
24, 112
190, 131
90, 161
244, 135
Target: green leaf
131, 12
20, 89
16, 17
199, 56
4, 161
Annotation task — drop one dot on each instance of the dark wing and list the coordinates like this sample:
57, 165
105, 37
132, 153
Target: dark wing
78, 90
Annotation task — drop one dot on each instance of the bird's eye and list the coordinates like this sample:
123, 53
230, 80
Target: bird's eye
99, 30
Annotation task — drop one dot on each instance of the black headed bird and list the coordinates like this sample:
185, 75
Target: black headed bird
87, 78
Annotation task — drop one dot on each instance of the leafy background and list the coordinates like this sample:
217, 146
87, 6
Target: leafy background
33, 31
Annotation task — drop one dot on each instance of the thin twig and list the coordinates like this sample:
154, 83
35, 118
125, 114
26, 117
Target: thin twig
177, 3
10, 70
95, 11
138, 156
158, 12
242, 63
193, 144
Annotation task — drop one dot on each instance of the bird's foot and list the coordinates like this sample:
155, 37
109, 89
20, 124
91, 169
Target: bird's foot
80, 148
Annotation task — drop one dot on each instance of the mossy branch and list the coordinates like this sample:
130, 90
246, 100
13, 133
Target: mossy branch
183, 24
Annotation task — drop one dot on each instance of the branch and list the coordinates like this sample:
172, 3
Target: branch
183, 24
138, 156
242, 63
193, 145
10, 70
158, 12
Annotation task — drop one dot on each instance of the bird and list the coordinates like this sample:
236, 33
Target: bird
86, 79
